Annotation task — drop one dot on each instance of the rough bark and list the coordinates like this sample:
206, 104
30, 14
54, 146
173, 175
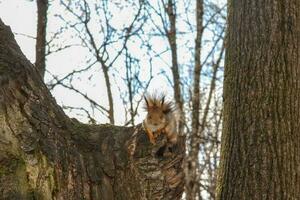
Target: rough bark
260, 154
40, 52
46, 155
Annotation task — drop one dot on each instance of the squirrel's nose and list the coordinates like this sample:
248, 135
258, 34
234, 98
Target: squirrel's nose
155, 124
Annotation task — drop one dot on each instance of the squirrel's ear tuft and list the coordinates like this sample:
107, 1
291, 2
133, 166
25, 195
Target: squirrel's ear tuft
167, 107
146, 100
162, 101
167, 111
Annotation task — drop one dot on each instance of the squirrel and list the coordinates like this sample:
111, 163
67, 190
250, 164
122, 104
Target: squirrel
160, 118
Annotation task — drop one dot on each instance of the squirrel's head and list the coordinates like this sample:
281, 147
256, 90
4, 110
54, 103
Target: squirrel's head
157, 109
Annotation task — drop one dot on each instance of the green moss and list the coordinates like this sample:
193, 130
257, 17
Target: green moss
13, 173
44, 188
3, 171
9, 164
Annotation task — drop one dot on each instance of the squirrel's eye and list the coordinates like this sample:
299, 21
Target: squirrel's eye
150, 117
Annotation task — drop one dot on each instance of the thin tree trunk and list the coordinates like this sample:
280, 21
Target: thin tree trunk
260, 154
109, 93
105, 70
40, 57
46, 155
192, 177
171, 35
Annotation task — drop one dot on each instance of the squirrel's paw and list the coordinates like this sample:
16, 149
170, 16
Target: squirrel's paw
152, 140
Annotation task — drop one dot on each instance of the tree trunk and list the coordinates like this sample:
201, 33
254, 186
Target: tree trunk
260, 154
170, 8
40, 52
192, 186
109, 93
46, 155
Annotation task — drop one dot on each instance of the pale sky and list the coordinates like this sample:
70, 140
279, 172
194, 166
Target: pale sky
21, 15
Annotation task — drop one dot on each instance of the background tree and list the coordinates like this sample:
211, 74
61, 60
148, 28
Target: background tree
40, 61
193, 183
106, 44
202, 58
260, 153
